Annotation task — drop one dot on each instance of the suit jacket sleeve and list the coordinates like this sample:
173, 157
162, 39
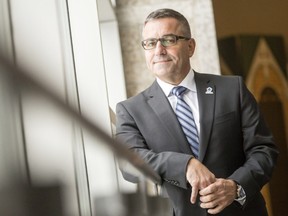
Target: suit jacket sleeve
258, 145
170, 165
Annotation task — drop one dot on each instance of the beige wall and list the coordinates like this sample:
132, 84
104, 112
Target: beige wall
251, 17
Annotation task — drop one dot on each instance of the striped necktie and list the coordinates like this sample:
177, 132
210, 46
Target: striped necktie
186, 119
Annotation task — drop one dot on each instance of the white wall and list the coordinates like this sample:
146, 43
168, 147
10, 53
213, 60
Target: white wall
65, 54
48, 134
12, 161
92, 89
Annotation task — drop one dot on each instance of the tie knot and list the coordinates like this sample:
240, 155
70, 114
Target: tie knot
178, 91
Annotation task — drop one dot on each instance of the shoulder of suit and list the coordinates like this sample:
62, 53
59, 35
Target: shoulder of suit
216, 77
143, 95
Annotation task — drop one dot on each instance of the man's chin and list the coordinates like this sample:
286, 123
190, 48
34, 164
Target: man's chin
162, 74
162, 68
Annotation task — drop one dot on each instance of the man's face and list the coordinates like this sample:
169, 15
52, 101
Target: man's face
170, 64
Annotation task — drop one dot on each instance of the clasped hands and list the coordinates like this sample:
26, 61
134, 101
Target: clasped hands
215, 193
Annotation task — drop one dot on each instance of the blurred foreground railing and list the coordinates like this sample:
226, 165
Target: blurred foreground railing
22, 199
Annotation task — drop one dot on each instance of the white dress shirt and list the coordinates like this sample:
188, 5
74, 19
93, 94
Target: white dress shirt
190, 96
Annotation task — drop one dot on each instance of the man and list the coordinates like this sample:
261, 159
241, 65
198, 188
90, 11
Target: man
202, 133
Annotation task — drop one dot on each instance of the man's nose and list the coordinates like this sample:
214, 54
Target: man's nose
160, 49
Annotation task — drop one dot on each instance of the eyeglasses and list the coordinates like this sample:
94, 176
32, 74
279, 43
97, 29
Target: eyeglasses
165, 40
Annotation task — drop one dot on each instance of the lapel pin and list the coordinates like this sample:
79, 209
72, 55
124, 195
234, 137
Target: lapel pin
209, 90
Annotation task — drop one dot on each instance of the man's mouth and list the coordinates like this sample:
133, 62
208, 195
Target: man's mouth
162, 61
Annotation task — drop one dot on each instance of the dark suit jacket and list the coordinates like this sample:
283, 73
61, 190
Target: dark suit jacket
234, 141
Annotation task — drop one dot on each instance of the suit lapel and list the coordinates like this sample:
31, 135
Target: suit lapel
163, 110
206, 92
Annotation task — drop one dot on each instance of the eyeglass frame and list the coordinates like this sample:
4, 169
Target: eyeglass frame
177, 37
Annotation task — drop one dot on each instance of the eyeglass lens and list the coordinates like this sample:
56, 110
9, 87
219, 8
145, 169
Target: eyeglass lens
165, 41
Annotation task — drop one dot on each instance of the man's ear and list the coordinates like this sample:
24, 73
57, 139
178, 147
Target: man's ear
192, 45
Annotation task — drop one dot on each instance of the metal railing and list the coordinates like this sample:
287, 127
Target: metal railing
23, 81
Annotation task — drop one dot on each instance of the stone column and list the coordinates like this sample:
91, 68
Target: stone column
131, 15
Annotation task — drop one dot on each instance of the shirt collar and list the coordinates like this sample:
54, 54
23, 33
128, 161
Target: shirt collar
188, 82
